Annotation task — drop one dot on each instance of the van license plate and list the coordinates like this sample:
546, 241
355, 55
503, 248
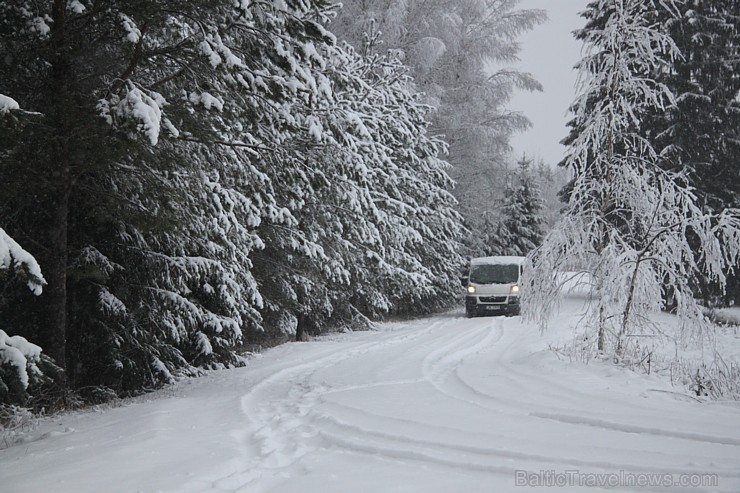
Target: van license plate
492, 307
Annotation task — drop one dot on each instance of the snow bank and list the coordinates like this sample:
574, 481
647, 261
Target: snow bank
728, 316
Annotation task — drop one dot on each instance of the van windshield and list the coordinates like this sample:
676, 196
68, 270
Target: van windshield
494, 274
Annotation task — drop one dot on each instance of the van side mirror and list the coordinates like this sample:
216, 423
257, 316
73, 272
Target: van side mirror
464, 281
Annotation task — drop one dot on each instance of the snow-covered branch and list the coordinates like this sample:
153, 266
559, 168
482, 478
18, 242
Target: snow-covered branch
12, 255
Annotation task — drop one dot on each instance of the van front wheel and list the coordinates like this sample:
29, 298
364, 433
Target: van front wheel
514, 313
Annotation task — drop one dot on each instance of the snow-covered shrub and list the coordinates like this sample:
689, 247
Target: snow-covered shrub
521, 227
717, 379
14, 421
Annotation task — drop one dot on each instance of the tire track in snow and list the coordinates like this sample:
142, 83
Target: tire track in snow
441, 367
509, 407
362, 439
642, 430
279, 430
298, 410
526, 378
442, 362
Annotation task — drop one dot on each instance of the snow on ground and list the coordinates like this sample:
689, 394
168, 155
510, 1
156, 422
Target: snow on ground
729, 316
444, 404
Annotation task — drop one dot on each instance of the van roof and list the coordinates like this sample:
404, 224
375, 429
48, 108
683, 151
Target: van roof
497, 260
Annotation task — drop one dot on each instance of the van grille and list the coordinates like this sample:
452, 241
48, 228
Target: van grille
492, 299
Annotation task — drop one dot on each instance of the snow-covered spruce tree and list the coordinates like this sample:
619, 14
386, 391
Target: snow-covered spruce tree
253, 79
20, 361
628, 220
157, 117
375, 224
521, 226
416, 219
187, 138
459, 53
701, 133
551, 181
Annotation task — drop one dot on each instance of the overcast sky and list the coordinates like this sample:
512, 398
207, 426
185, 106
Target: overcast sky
549, 52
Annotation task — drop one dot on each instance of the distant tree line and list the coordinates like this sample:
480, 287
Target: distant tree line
461, 54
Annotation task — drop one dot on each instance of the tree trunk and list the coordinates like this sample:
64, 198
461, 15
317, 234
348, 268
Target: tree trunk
601, 345
628, 307
300, 331
54, 332
55, 294
601, 341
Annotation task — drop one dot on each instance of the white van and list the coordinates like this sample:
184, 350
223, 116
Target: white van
493, 286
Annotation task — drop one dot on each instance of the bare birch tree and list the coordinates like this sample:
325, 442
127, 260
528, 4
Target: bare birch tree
629, 223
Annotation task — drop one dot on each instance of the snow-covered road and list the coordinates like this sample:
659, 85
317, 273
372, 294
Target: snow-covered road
444, 404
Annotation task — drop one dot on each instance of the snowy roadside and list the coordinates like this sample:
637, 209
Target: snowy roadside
726, 316
434, 405
704, 364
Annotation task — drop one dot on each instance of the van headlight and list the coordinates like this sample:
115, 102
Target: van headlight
471, 289
515, 289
